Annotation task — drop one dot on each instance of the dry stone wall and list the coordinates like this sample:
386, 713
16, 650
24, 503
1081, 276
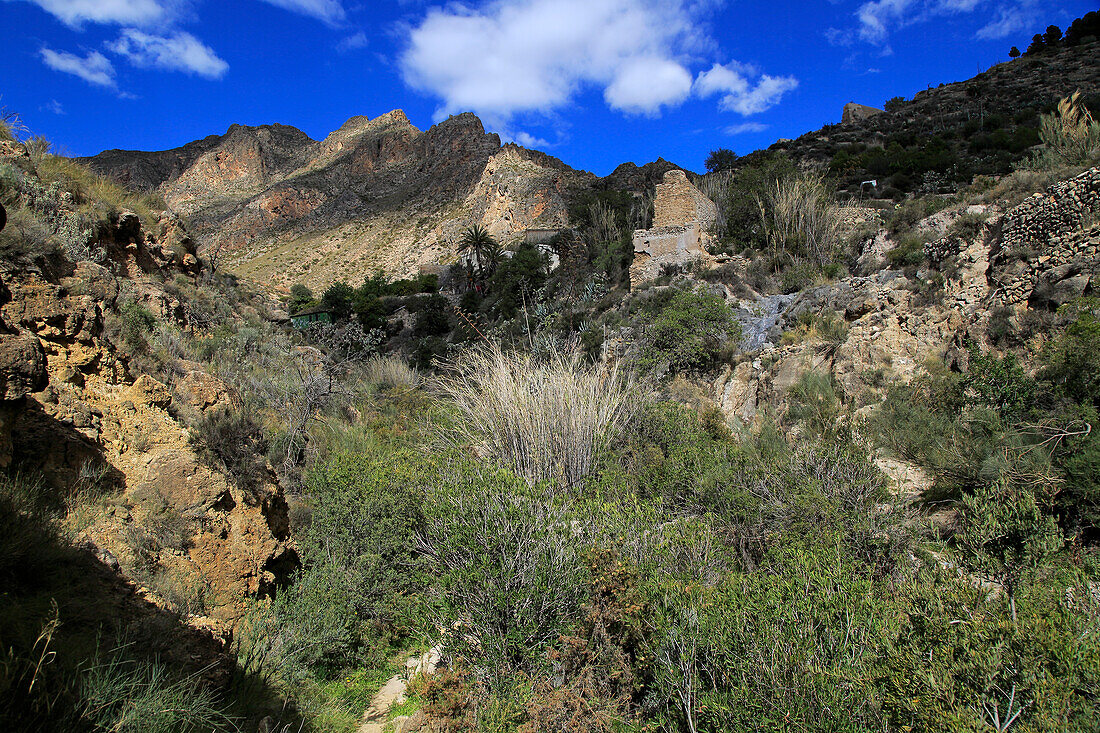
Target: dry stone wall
1048, 246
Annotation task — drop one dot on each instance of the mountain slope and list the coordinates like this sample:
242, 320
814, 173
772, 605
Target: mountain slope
374, 194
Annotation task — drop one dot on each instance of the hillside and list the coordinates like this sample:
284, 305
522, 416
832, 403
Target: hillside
945, 135
723, 453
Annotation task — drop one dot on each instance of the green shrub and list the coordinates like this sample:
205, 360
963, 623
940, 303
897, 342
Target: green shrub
959, 659
137, 322
966, 227
510, 569
909, 213
909, 251
688, 332
792, 646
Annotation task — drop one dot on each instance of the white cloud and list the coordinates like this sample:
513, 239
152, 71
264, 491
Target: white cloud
1008, 21
177, 52
878, 18
644, 85
95, 68
326, 11
528, 140
75, 13
353, 42
739, 91
745, 127
535, 55
54, 106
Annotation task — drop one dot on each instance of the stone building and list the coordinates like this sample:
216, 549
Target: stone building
682, 219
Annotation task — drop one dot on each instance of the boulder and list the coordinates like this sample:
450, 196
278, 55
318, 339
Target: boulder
857, 112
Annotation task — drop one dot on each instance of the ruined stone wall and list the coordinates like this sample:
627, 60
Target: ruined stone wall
681, 216
1046, 253
678, 202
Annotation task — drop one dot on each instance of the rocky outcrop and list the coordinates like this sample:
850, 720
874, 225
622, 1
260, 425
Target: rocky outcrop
376, 194
858, 112
75, 410
1046, 254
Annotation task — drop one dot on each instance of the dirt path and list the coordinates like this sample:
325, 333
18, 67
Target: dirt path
393, 692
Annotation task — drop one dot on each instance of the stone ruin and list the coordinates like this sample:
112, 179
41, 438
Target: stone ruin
682, 218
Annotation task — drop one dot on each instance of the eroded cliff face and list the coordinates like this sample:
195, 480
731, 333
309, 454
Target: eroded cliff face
76, 410
377, 194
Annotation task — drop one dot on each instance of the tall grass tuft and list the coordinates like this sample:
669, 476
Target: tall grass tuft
391, 372
800, 218
124, 696
547, 420
1070, 135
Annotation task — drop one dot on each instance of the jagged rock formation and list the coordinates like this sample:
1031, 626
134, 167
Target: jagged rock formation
377, 194
77, 411
682, 219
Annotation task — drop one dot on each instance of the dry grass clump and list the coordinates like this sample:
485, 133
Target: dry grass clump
547, 420
391, 372
800, 217
96, 194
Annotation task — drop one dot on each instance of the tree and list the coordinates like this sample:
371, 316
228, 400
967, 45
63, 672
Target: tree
1087, 26
722, 159
338, 300
301, 298
477, 241
1053, 35
1014, 53
1037, 44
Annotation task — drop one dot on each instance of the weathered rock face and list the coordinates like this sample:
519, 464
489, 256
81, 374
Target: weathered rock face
377, 194
1038, 255
682, 217
858, 112
72, 411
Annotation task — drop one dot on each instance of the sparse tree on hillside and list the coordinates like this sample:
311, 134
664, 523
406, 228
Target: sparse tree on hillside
1037, 44
338, 300
1014, 53
300, 298
1052, 36
721, 159
1087, 26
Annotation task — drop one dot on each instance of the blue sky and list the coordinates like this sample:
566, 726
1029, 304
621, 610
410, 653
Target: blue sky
593, 82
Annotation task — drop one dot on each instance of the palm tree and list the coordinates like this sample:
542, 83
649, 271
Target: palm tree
477, 241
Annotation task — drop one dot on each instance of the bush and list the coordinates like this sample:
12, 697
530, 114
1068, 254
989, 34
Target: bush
800, 218
689, 332
794, 645
1070, 135
391, 372
510, 570
137, 321
235, 443
547, 421
909, 251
